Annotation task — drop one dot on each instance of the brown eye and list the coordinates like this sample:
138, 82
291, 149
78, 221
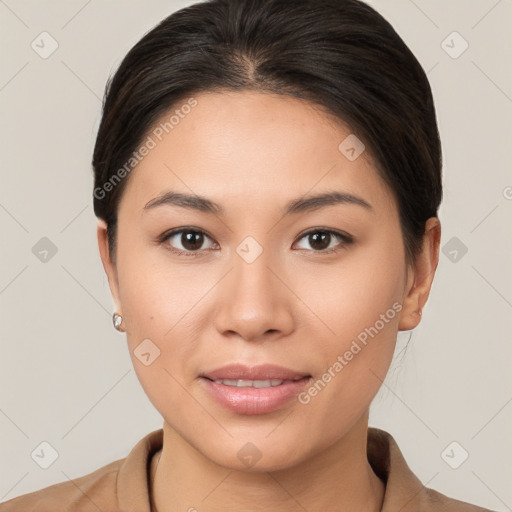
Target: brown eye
186, 240
191, 241
320, 240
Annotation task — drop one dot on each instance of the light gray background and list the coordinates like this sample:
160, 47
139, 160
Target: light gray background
65, 373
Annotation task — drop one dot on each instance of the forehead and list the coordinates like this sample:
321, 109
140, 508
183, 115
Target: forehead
250, 147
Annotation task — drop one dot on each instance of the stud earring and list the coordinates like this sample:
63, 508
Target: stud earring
117, 320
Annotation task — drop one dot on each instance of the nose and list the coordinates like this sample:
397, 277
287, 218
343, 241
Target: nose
254, 300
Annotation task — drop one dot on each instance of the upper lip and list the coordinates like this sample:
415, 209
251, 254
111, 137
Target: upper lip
260, 372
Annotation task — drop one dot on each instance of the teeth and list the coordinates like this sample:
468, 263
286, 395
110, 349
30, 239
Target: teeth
240, 383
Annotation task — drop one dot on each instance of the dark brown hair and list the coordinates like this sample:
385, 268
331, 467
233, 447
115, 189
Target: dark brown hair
340, 55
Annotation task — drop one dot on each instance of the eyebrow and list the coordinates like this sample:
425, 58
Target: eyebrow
295, 206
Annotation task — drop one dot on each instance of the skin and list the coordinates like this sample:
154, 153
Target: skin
293, 306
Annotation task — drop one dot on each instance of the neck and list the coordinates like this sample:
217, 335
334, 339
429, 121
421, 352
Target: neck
185, 480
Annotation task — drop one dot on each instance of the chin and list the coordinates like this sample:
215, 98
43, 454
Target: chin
256, 453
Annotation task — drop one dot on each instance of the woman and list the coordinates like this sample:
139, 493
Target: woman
267, 180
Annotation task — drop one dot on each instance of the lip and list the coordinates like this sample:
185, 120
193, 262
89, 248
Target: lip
260, 372
250, 400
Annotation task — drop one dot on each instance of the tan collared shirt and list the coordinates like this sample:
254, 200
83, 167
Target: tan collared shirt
124, 485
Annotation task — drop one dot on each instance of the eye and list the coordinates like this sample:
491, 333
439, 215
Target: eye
320, 240
191, 241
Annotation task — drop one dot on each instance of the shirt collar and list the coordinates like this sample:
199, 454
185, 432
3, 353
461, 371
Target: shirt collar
404, 491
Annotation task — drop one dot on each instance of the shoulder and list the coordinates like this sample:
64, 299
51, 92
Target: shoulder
435, 501
92, 492
119, 485
404, 491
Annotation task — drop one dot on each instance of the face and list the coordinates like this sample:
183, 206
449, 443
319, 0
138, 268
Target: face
319, 289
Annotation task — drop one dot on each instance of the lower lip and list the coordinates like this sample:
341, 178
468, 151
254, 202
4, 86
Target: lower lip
250, 400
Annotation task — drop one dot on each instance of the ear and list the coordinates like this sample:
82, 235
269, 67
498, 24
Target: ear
420, 277
108, 265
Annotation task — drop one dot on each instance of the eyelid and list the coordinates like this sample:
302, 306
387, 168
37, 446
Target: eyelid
169, 234
345, 237
320, 229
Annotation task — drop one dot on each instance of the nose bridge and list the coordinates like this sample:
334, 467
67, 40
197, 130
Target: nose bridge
256, 299
252, 273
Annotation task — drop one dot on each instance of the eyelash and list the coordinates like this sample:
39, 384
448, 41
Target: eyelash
345, 240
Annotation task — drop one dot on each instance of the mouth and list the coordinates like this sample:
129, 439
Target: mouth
264, 372
242, 383
253, 390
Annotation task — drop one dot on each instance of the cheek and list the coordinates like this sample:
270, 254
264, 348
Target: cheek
155, 300
160, 339
351, 294
355, 363
359, 303
151, 289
